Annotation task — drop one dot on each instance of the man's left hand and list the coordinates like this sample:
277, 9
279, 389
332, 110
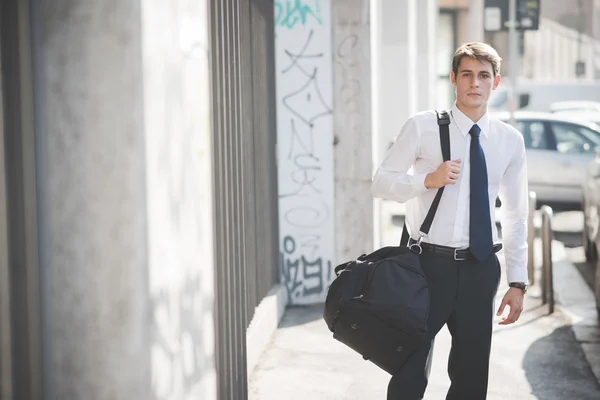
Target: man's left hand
514, 300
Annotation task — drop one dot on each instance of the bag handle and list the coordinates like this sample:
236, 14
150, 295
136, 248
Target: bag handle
443, 120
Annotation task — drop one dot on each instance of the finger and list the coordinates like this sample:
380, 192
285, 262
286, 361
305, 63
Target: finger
449, 181
515, 312
508, 320
518, 312
513, 315
456, 161
518, 315
501, 308
455, 170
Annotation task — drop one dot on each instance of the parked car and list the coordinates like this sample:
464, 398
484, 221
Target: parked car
575, 106
580, 110
559, 150
591, 220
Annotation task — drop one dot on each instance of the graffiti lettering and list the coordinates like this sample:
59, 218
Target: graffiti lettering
308, 105
307, 216
306, 153
350, 87
296, 11
177, 338
307, 102
301, 276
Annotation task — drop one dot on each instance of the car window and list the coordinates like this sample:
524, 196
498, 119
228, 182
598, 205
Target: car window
572, 138
534, 134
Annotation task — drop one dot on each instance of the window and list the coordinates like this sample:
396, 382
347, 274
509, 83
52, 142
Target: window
534, 134
572, 138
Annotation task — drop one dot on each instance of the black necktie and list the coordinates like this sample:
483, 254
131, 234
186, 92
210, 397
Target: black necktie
480, 226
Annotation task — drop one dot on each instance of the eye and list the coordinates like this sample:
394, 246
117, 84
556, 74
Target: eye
485, 76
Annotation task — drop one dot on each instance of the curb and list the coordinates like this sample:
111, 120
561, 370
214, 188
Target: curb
577, 303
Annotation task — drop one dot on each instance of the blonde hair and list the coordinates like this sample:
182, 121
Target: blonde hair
478, 51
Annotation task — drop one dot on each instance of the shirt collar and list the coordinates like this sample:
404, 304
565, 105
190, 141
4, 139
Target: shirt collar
465, 123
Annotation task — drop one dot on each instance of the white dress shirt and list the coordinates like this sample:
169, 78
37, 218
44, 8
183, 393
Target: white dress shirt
417, 152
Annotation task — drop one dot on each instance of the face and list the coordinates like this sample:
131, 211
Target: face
474, 83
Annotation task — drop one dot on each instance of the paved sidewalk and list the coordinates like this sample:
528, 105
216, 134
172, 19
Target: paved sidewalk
537, 358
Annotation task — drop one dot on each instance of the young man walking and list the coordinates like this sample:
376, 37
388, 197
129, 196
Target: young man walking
488, 159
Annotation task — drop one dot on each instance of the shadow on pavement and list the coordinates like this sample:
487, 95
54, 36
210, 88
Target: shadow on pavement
587, 271
556, 368
302, 315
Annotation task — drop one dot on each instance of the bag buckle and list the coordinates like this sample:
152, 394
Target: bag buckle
418, 243
456, 256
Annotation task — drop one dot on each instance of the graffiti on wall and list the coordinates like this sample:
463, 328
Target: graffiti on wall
305, 147
288, 13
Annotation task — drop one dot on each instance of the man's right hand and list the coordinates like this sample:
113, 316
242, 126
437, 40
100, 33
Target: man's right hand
446, 174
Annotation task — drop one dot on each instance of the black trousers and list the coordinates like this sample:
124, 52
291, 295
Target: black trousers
462, 296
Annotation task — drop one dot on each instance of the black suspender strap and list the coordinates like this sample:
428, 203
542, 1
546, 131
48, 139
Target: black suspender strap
443, 120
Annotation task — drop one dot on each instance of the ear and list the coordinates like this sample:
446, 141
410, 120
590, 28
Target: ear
453, 78
496, 81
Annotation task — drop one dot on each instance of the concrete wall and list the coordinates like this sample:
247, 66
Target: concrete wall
404, 76
125, 200
178, 197
352, 128
475, 31
303, 46
427, 17
469, 15
402, 47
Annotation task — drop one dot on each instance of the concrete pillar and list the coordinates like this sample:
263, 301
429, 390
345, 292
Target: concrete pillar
427, 16
352, 128
125, 200
395, 63
475, 31
304, 57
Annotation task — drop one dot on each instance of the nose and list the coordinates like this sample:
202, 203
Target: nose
475, 82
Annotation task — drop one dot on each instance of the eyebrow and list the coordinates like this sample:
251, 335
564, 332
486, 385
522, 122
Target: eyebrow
468, 70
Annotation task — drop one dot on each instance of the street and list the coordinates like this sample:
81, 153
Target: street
567, 227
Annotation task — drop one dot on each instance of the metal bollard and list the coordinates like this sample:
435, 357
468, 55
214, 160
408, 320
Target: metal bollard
531, 237
547, 273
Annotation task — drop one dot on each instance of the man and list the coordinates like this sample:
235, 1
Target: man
488, 159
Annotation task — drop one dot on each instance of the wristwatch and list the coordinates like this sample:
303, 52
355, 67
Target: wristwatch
519, 285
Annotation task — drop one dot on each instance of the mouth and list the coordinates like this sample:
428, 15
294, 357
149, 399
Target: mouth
474, 94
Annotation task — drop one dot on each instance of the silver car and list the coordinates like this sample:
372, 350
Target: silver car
591, 220
559, 150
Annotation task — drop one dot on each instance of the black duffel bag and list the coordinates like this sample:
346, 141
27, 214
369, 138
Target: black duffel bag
378, 304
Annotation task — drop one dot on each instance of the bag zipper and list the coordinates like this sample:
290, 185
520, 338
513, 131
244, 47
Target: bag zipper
370, 277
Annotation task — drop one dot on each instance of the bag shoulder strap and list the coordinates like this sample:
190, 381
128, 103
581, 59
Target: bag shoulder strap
443, 120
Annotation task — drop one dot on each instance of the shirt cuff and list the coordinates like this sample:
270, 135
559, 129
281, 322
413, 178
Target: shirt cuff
516, 275
417, 182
